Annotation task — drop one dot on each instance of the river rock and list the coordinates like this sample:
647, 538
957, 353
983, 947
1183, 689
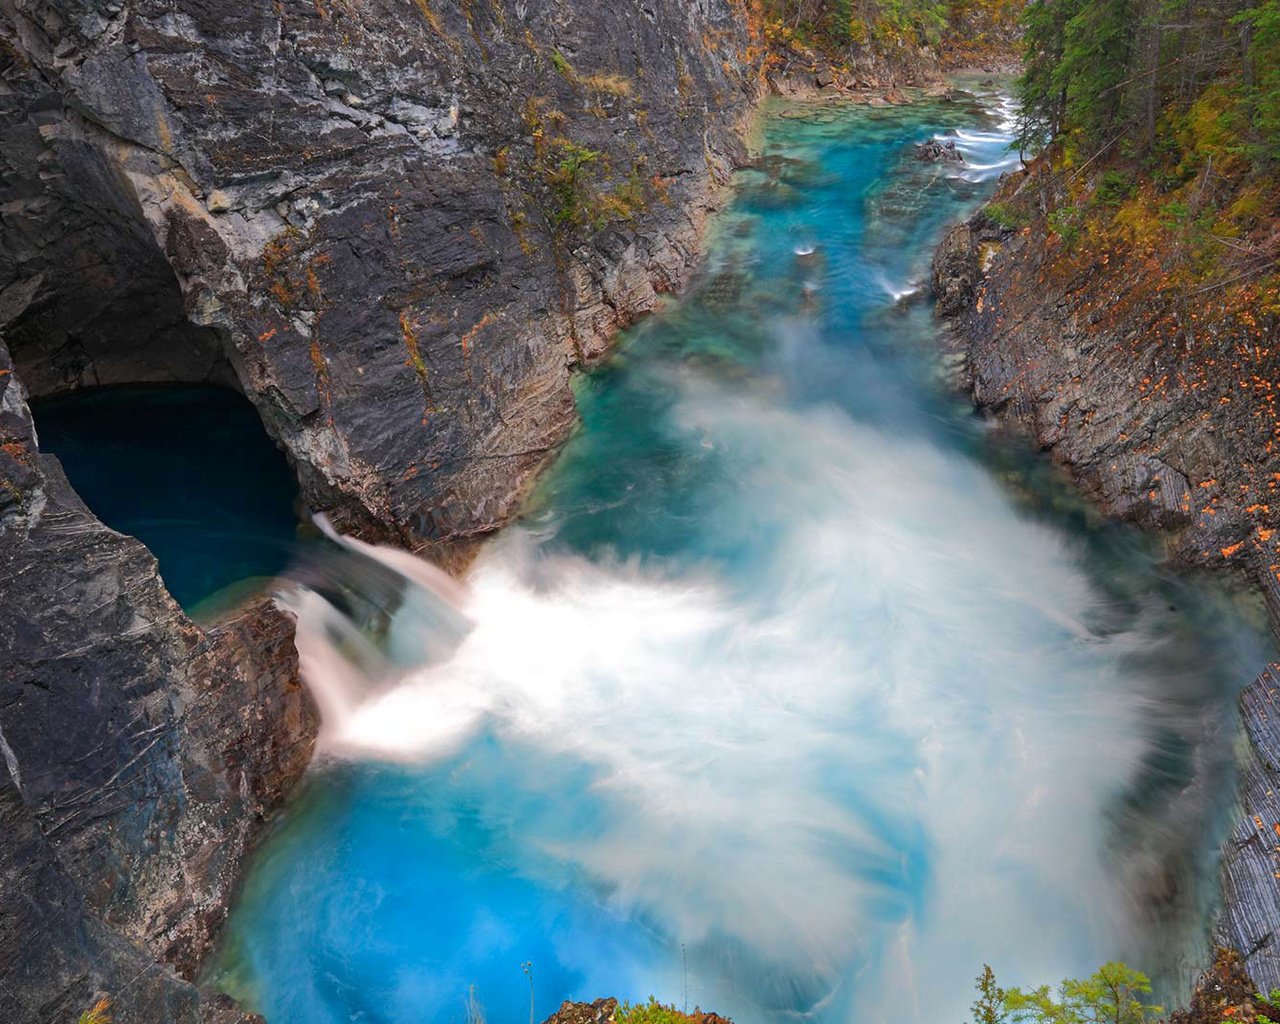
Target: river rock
936, 151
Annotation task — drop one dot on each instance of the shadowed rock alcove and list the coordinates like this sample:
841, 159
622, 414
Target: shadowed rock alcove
145, 413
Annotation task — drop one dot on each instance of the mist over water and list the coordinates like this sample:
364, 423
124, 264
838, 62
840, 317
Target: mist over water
793, 689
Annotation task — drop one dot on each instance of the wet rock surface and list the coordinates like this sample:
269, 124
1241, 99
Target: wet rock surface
140, 753
955, 271
1166, 418
397, 227
937, 151
1251, 857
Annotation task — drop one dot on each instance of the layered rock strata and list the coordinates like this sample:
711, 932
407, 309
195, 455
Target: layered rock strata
1163, 408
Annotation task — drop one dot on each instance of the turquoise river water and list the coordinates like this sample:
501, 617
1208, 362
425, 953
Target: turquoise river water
795, 694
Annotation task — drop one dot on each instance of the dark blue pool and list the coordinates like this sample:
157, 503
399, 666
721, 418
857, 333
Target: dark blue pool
185, 468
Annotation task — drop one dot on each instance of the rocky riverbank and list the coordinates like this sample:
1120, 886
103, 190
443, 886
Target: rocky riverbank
1160, 403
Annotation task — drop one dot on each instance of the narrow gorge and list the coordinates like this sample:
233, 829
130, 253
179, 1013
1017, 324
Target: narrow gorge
771, 678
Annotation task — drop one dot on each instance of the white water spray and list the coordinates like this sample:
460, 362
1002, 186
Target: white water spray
876, 757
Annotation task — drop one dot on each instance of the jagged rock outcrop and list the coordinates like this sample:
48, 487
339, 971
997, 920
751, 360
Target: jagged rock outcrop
602, 1011
139, 753
936, 151
398, 223
1163, 408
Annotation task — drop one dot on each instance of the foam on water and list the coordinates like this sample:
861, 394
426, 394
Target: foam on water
776, 675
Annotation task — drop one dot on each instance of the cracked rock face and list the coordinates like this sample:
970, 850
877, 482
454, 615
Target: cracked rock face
1170, 435
395, 223
139, 753
1176, 438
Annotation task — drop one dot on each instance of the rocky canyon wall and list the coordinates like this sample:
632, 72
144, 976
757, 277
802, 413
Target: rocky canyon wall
1160, 400
396, 226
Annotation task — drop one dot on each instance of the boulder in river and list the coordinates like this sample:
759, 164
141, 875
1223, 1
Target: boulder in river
936, 151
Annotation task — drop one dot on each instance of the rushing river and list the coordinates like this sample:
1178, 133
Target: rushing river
795, 695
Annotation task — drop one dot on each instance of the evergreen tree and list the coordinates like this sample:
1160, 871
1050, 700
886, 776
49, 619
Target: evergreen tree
1041, 88
1261, 33
989, 1007
1097, 47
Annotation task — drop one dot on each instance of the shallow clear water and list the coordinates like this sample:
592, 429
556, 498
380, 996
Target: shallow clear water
795, 695
185, 468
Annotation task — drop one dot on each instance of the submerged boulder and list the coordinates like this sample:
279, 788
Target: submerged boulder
937, 151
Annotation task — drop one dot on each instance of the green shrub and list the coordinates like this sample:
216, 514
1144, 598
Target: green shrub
1175, 214
569, 184
1114, 188
1006, 216
561, 64
1067, 222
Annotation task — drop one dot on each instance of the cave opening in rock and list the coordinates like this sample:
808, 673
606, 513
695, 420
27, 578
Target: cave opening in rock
188, 470
143, 406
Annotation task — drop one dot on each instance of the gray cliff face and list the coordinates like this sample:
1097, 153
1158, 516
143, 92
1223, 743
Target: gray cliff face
396, 224
138, 750
1177, 437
